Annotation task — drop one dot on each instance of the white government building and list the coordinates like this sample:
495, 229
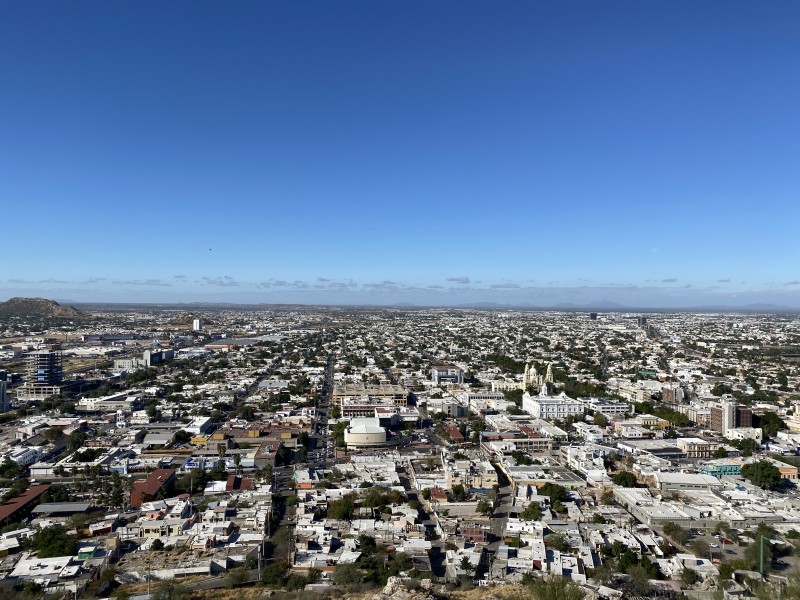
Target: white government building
548, 407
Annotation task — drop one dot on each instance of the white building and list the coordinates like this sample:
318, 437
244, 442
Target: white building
551, 407
447, 374
198, 426
364, 432
743, 433
25, 455
606, 406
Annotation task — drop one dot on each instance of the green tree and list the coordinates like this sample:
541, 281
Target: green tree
532, 512
763, 474
237, 578
247, 413
338, 434
600, 419
638, 583
53, 541
720, 453
689, 576
701, 548
53, 434
458, 493
557, 493
343, 508
675, 532
770, 423
747, 446
346, 575
721, 389
484, 507
274, 574
521, 458
76, 440
9, 469
466, 565
183, 437
624, 479
191, 482
752, 554
557, 541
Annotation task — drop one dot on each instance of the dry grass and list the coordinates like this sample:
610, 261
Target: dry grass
500, 592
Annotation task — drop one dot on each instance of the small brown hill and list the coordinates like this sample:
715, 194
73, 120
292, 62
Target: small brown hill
39, 307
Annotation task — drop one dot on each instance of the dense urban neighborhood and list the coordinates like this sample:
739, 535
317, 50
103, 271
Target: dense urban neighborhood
165, 451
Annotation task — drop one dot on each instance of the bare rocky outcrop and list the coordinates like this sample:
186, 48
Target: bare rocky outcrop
407, 588
39, 307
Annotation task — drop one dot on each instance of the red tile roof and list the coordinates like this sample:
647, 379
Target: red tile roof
10, 508
145, 490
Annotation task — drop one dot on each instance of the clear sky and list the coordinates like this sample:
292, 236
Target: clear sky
646, 153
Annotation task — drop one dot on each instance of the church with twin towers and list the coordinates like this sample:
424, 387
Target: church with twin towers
532, 379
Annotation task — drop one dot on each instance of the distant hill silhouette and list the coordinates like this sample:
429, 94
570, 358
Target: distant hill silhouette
39, 307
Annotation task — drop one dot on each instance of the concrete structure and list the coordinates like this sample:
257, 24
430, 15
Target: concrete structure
551, 407
729, 415
607, 407
531, 378
364, 433
721, 468
447, 374
44, 375
25, 455
745, 433
4, 402
156, 357
397, 393
670, 482
672, 394
697, 447
198, 426
197, 325
363, 406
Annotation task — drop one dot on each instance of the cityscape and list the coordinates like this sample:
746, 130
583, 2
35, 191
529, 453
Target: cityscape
154, 450
358, 300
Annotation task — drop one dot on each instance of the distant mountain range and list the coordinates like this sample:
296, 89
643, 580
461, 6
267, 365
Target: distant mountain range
40, 307
609, 306
27, 306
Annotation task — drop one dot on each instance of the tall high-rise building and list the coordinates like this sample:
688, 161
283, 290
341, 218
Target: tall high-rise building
43, 374
197, 325
4, 404
729, 415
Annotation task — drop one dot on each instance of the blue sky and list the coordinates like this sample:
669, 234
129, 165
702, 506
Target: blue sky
433, 153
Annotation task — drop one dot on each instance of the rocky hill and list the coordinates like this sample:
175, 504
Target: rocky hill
39, 307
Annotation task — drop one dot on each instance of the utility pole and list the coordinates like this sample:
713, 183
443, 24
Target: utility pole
761, 570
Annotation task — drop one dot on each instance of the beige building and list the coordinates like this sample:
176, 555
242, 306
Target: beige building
697, 447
